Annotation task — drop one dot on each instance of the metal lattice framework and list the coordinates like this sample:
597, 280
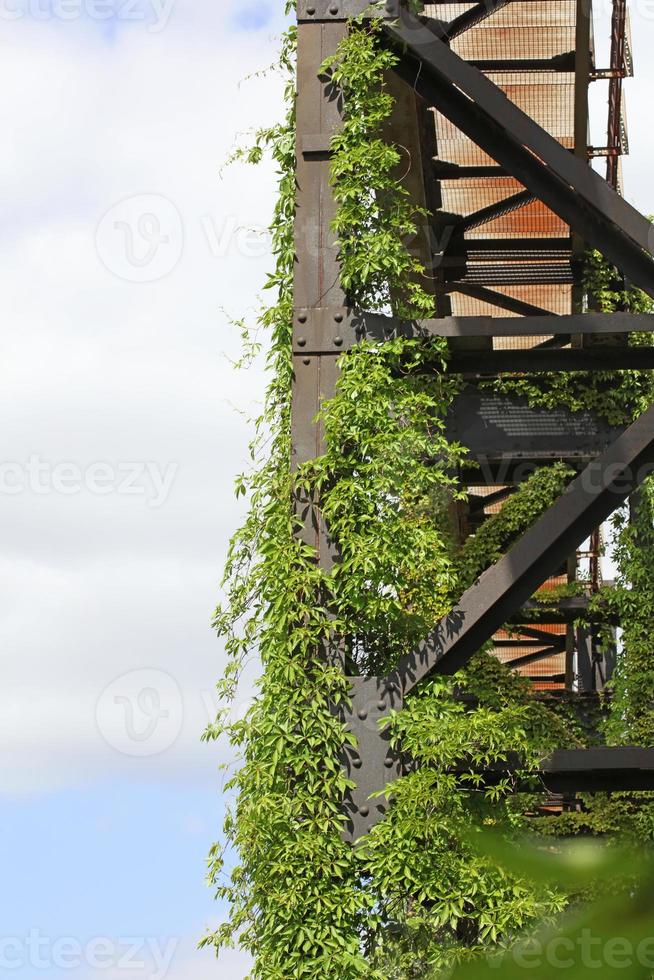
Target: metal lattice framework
492, 107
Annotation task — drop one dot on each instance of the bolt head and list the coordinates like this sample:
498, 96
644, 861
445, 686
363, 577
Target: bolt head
302, 342
364, 811
362, 714
306, 361
381, 705
338, 341
388, 763
356, 763
339, 317
333, 9
302, 318
311, 11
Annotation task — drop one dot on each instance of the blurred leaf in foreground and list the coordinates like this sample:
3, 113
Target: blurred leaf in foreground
612, 935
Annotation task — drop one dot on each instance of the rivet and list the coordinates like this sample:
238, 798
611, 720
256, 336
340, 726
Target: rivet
333, 9
302, 342
306, 360
388, 763
381, 705
338, 341
311, 11
302, 318
339, 317
364, 811
356, 763
363, 714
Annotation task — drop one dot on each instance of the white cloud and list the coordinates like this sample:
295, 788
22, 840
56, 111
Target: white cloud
96, 369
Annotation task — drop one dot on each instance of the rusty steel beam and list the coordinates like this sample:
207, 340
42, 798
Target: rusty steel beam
554, 175
532, 658
618, 28
497, 210
603, 770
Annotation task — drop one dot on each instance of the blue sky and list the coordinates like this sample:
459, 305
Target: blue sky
123, 250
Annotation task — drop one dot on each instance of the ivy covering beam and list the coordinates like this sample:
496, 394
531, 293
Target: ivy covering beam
497, 595
602, 769
590, 499
596, 770
566, 184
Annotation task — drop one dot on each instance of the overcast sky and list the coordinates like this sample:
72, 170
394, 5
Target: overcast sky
121, 247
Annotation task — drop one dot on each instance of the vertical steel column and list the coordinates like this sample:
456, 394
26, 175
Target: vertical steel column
579, 647
317, 280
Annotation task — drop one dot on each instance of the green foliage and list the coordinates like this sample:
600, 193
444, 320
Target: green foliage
294, 897
632, 600
439, 901
375, 214
607, 291
495, 536
386, 482
611, 936
627, 817
416, 897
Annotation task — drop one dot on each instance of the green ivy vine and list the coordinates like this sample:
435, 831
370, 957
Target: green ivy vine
415, 897
632, 601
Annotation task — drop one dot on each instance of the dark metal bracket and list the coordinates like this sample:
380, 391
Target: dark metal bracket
333, 11
372, 764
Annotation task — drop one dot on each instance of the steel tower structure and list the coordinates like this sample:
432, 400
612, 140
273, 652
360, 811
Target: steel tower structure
492, 109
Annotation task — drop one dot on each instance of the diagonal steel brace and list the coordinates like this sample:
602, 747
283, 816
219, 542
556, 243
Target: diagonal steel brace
566, 184
588, 501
